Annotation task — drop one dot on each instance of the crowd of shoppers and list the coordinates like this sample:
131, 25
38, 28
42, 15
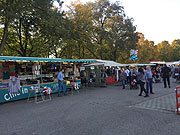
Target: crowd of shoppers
144, 78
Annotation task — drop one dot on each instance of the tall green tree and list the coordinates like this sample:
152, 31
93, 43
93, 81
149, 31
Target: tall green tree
81, 18
147, 51
121, 36
101, 30
101, 12
165, 51
35, 29
115, 33
9, 11
176, 50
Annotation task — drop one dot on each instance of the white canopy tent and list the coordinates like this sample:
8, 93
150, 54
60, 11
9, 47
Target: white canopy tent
108, 63
158, 62
139, 65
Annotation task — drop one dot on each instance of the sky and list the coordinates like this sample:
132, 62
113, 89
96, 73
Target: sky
158, 20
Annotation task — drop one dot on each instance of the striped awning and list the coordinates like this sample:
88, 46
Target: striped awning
36, 59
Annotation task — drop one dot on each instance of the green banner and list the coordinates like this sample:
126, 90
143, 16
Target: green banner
5, 96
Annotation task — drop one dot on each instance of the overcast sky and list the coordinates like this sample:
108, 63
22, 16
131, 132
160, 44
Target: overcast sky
158, 20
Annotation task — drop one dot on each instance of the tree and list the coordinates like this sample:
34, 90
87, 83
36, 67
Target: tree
147, 51
176, 50
122, 37
114, 31
165, 51
82, 28
8, 11
101, 30
101, 12
35, 29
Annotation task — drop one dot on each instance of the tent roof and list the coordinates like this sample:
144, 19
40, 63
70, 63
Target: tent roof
158, 62
37, 59
110, 63
141, 64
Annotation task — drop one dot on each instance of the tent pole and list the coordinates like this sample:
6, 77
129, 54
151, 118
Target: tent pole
41, 72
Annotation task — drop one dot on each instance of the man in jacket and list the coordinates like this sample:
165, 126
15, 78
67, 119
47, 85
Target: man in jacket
166, 71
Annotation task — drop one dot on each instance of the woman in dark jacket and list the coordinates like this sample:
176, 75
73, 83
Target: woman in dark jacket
123, 77
142, 81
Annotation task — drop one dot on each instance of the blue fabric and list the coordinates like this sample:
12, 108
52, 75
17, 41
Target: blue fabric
123, 83
61, 88
60, 76
28, 59
148, 74
149, 86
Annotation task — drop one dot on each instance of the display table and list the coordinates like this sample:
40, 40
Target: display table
5, 96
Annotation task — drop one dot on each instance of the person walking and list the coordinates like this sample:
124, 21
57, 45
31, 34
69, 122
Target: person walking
123, 77
166, 72
60, 82
149, 75
142, 80
127, 74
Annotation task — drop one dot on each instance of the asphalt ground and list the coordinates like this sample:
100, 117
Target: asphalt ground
95, 111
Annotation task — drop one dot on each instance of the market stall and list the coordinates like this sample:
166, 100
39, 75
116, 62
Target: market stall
28, 72
112, 70
95, 74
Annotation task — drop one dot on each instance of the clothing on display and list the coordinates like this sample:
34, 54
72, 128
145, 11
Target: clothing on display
14, 85
1, 75
3, 84
36, 69
1, 66
6, 75
117, 74
5, 69
12, 68
54, 66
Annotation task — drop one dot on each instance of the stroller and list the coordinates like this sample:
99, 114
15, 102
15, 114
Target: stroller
133, 84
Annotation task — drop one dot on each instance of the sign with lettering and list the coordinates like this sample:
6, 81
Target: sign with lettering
5, 96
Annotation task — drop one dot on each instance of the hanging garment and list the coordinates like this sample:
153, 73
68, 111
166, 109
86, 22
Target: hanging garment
1, 66
1, 75
6, 75
117, 74
36, 69
14, 85
12, 68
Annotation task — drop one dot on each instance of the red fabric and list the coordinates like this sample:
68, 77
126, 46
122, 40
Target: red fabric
153, 72
13, 74
111, 80
5, 69
9, 63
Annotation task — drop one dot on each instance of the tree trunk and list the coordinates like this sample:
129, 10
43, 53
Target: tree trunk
115, 55
56, 53
83, 53
79, 47
4, 38
100, 52
20, 37
93, 53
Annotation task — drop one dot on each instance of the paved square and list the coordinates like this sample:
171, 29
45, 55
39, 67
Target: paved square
95, 111
163, 103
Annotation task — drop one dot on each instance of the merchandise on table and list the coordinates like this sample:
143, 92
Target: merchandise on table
36, 72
